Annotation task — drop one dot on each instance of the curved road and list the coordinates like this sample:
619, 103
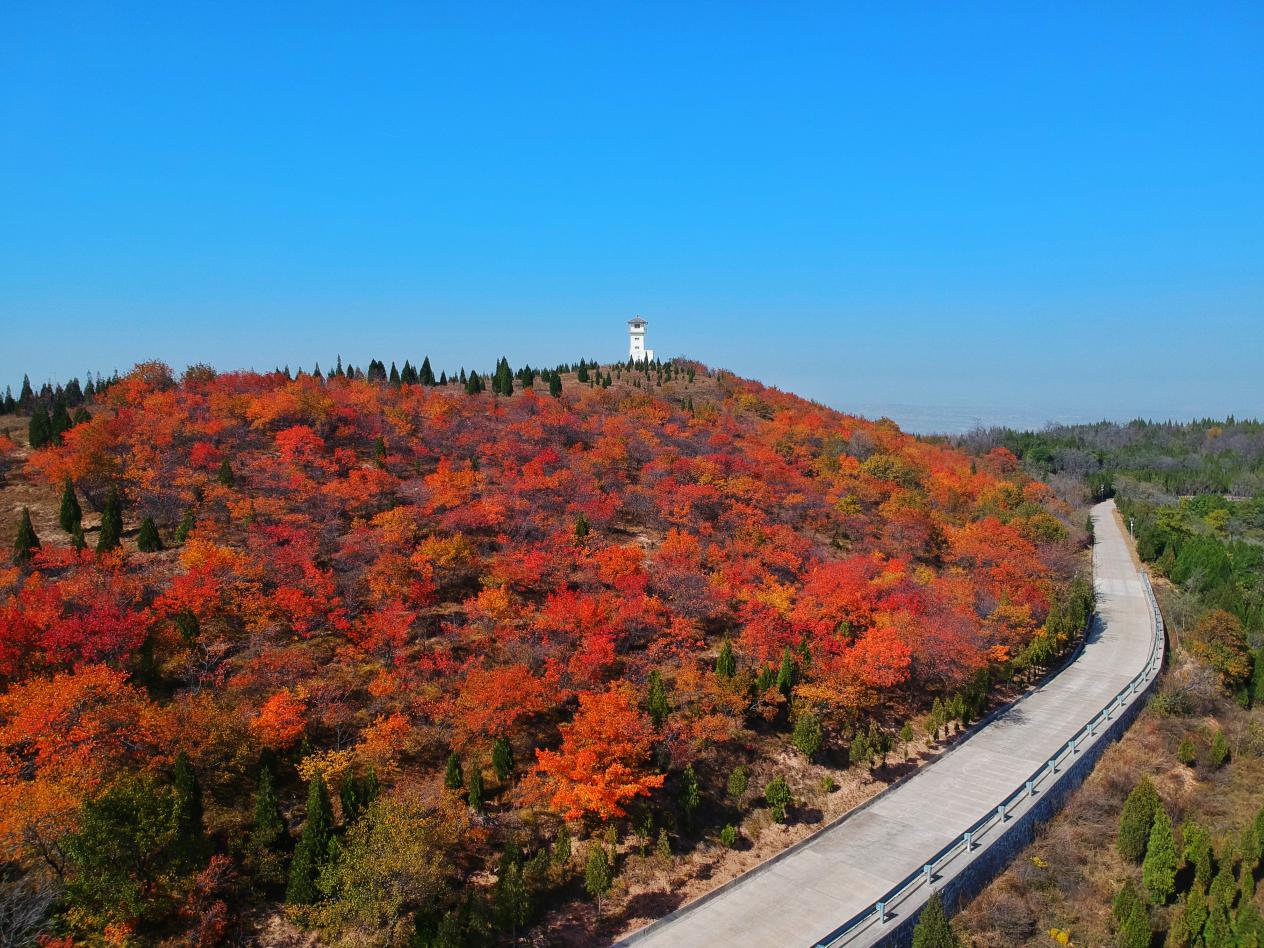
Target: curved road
799, 898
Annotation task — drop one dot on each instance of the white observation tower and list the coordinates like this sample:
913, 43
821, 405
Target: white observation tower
636, 341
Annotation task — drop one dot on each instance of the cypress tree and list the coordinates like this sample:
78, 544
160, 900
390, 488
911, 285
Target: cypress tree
186, 525
502, 758
313, 846
269, 831
77, 539
1158, 872
225, 475
426, 374
785, 675
27, 395
111, 522
597, 873
656, 699
807, 734
690, 794
932, 929
39, 429
443, 378
726, 664
394, 377
60, 421
1136, 819
191, 847
71, 514
26, 542
148, 541
454, 779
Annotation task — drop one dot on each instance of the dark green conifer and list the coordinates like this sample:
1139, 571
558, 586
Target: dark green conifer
932, 929
191, 846
555, 385
1158, 872
502, 758
453, 778
226, 475
426, 374
313, 846
726, 663
71, 514
186, 525
656, 699
26, 542
27, 395
1136, 819
148, 541
786, 674
111, 522
60, 421
474, 792
39, 429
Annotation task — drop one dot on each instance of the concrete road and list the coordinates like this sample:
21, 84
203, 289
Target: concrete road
800, 897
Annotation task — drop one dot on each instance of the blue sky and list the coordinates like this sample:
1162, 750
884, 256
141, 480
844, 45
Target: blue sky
1045, 208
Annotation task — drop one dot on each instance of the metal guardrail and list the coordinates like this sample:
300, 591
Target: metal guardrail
878, 912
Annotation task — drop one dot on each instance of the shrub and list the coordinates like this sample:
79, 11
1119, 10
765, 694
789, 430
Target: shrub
828, 784
932, 929
1186, 754
739, 780
777, 793
728, 836
1219, 753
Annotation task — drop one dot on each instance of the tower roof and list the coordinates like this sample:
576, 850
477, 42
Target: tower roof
638, 321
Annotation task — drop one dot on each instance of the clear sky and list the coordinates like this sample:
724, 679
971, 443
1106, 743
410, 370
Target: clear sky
1055, 209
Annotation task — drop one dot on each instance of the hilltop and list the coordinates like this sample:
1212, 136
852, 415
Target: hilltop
542, 652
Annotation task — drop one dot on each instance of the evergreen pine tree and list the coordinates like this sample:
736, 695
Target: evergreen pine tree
191, 846
555, 385
474, 793
39, 429
269, 831
581, 527
560, 853
27, 395
1136, 819
226, 475
656, 699
70, 514
726, 664
147, 540
60, 421
932, 929
785, 675
512, 901
453, 778
26, 542
111, 522
426, 374
1158, 872
77, 539
313, 846
443, 378
502, 758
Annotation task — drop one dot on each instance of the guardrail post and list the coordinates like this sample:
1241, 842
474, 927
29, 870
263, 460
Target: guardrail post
1031, 788
1000, 811
929, 869
1071, 745
882, 913
969, 841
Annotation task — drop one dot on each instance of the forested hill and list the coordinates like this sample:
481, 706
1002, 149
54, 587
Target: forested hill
1198, 457
378, 646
